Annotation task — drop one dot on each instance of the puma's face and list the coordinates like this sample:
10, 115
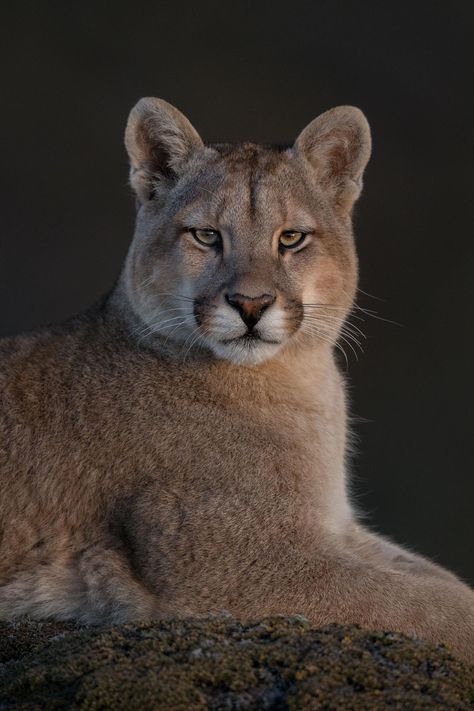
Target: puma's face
242, 249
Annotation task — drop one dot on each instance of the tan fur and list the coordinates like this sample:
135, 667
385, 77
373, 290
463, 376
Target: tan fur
150, 468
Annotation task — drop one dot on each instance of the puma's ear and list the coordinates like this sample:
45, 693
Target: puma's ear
159, 141
337, 144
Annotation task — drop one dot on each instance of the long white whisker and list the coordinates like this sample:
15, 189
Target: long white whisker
175, 296
193, 341
372, 296
175, 328
336, 327
333, 308
322, 337
346, 337
374, 314
155, 327
337, 335
190, 336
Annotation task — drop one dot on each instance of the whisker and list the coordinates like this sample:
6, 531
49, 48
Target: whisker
155, 326
184, 297
348, 338
327, 341
335, 308
324, 306
147, 281
174, 328
374, 314
350, 346
372, 296
344, 328
344, 338
195, 339
353, 325
155, 329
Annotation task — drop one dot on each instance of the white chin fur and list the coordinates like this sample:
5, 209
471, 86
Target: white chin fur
245, 353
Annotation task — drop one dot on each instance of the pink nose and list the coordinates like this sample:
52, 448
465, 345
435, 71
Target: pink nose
250, 308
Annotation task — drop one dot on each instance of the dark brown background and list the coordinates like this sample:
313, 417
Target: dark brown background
262, 70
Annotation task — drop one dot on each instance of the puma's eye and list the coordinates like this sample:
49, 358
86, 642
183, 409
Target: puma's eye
207, 237
291, 239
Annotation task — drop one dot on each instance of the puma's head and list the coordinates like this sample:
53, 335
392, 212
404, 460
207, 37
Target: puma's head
243, 249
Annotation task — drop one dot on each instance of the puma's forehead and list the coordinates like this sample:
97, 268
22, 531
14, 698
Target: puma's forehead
257, 165
251, 183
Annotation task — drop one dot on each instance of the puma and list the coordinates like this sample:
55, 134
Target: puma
180, 448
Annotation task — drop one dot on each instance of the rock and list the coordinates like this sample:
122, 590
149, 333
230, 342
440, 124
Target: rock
223, 663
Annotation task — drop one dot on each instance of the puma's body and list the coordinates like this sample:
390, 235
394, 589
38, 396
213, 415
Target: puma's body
259, 464
144, 477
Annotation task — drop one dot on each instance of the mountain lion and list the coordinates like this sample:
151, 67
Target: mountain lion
180, 448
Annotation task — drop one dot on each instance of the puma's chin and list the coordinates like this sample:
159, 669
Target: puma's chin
245, 350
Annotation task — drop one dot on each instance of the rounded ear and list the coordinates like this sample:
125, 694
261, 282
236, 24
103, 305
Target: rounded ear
159, 140
338, 144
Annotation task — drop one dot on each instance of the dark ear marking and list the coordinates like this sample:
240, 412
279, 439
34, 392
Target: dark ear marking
159, 140
337, 144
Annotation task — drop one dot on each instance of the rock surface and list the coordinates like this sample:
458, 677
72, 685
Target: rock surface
221, 663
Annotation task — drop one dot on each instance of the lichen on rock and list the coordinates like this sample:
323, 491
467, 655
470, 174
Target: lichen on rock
222, 663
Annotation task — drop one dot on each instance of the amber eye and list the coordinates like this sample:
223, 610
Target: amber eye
291, 239
207, 237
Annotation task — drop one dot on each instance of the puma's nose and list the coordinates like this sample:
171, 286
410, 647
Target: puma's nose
250, 308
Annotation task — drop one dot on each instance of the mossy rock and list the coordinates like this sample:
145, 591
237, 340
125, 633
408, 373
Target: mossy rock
221, 663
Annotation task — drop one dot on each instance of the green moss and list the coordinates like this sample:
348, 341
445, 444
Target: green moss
221, 663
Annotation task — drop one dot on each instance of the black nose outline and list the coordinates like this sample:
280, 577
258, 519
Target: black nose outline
250, 308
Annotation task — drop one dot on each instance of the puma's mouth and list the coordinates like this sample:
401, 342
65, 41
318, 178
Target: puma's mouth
247, 349
250, 337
